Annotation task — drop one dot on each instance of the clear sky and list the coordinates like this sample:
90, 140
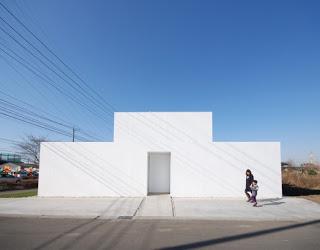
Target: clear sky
254, 64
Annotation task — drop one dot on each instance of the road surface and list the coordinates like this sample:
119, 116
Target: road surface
53, 233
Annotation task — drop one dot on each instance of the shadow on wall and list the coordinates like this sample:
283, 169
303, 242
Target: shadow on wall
291, 190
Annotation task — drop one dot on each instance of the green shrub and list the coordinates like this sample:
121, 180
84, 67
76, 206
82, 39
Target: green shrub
312, 172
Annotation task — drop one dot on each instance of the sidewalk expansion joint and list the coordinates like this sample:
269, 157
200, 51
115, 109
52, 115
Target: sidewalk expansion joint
139, 207
172, 207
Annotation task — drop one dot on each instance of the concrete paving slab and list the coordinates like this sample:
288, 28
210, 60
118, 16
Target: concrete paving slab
163, 207
70, 207
227, 209
156, 205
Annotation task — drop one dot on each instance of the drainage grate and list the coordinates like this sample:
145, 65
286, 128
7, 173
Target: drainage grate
125, 217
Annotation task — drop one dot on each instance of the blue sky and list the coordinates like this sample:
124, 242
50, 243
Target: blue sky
254, 64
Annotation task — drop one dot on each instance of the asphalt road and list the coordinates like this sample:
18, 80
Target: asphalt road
45, 233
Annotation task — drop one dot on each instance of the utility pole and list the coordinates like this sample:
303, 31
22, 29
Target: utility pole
311, 158
73, 132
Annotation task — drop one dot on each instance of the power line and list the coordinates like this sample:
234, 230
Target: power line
39, 40
8, 140
12, 111
92, 99
32, 106
52, 84
54, 54
60, 60
33, 113
43, 77
81, 90
43, 117
35, 88
14, 107
22, 119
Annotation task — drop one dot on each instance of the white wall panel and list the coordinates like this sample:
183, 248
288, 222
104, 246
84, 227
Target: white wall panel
199, 167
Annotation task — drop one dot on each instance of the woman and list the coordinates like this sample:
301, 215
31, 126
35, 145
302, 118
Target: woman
249, 180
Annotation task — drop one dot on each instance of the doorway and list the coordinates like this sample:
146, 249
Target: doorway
159, 173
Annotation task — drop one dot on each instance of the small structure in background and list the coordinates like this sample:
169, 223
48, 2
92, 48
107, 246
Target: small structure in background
312, 164
16, 174
19, 169
8, 157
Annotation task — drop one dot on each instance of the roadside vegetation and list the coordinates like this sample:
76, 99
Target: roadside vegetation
19, 193
303, 181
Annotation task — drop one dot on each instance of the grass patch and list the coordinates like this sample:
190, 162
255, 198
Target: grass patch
301, 178
301, 182
19, 194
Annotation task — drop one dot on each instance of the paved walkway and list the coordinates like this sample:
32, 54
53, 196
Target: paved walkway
270, 209
162, 206
156, 205
70, 207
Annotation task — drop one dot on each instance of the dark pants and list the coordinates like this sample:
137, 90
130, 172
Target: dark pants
253, 198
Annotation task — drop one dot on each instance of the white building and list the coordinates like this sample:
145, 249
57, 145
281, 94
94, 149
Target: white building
165, 152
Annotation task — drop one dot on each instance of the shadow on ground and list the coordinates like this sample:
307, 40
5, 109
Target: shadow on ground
212, 242
290, 190
275, 203
271, 202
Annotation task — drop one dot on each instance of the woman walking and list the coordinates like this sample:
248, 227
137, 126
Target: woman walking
249, 180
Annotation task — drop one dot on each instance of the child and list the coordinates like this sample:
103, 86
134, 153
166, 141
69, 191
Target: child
254, 188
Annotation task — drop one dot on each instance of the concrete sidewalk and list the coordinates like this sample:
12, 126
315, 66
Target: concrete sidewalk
156, 206
69, 207
226, 209
162, 206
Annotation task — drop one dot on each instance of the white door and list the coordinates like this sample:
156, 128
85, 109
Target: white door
159, 173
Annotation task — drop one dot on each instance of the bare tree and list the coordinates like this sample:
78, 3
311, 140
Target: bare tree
30, 147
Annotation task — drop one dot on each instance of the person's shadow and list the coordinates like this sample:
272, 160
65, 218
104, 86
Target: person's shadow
274, 203
271, 202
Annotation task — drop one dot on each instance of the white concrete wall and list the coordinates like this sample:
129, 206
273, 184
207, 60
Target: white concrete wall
218, 169
91, 169
199, 167
155, 128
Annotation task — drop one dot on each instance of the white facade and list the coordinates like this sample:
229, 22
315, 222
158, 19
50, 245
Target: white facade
159, 152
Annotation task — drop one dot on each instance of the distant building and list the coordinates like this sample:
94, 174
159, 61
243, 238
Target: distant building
7, 157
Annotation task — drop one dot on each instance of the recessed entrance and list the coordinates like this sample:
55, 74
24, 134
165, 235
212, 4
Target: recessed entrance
158, 173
